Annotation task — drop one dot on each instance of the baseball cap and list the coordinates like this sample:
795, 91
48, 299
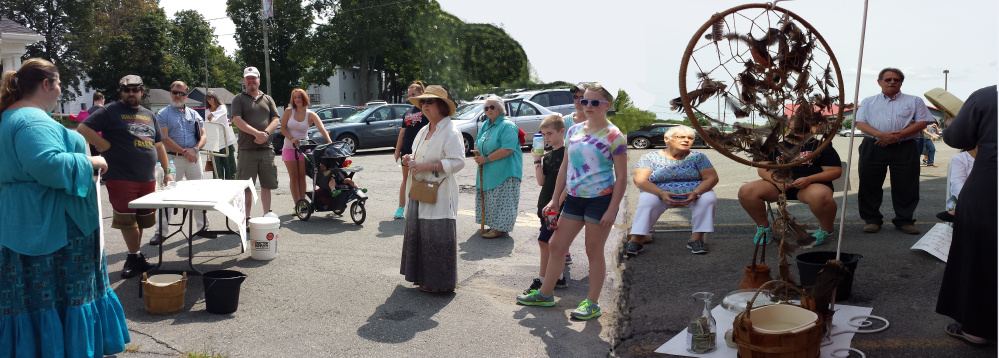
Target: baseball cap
251, 71
130, 80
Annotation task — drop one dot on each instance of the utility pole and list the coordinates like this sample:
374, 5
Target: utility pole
267, 54
945, 79
205, 100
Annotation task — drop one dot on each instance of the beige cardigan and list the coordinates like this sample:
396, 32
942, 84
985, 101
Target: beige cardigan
447, 147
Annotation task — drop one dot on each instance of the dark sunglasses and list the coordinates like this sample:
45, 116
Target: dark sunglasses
131, 89
592, 102
890, 80
427, 101
179, 93
489, 108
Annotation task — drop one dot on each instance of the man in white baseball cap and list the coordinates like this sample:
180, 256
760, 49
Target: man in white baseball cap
256, 116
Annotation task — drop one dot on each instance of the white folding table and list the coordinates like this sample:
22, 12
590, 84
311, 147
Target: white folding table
225, 196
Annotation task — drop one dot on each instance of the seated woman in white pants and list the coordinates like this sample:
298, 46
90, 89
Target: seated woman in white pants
671, 178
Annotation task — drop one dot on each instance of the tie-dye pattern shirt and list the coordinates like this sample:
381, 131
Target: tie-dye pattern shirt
591, 162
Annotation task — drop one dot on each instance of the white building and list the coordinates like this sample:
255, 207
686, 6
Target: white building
13, 40
343, 89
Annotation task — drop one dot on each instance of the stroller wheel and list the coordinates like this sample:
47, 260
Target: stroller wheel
303, 209
357, 212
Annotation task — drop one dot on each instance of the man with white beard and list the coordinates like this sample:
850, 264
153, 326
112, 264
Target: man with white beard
131, 142
183, 136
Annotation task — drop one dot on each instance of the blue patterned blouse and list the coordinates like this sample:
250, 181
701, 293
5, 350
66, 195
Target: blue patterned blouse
675, 176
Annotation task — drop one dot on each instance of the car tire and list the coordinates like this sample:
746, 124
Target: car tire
641, 143
350, 140
467, 139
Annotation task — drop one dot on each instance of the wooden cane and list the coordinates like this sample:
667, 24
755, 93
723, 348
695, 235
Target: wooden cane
482, 199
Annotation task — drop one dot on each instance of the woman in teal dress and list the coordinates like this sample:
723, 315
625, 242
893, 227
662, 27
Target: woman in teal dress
55, 300
499, 155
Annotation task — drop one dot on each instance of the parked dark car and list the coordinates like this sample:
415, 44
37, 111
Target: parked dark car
651, 136
328, 115
371, 127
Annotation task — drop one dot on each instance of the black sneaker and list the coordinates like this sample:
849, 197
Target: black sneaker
536, 285
697, 247
563, 282
634, 248
134, 265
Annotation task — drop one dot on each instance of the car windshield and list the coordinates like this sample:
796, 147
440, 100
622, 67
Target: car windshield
359, 116
468, 111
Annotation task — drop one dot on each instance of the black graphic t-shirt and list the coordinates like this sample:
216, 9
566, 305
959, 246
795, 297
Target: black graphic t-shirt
412, 122
550, 165
828, 158
133, 133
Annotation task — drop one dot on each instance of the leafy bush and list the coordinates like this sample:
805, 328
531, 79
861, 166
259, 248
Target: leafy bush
631, 119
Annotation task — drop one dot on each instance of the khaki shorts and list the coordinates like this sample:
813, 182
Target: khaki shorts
257, 162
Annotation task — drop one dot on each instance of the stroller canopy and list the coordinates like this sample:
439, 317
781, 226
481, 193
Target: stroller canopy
337, 150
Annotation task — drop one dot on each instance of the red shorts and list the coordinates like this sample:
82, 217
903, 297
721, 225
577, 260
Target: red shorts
122, 192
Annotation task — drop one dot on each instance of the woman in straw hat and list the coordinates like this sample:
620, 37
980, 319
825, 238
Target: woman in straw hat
430, 244
593, 174
55, 299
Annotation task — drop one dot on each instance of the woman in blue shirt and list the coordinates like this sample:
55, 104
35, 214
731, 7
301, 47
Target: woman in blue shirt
499, 155
55, 299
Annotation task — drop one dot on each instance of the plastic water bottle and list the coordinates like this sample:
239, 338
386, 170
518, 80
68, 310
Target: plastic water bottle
173, 168
159, 176
539, 144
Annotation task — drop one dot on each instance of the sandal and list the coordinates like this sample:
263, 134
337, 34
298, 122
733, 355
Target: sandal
954, 330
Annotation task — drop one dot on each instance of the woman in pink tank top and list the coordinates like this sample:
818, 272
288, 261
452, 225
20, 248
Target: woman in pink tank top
295, 123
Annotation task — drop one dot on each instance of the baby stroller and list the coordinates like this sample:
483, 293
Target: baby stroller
332, 157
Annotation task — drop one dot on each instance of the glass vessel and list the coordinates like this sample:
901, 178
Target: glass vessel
702, 328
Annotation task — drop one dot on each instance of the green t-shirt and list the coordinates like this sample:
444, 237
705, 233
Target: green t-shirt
258, 113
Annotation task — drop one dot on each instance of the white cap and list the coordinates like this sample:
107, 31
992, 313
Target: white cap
251, 71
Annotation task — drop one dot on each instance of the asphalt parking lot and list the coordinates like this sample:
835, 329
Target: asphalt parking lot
335, 287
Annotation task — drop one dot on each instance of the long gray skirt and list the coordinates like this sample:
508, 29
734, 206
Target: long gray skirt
429, 251
502, 203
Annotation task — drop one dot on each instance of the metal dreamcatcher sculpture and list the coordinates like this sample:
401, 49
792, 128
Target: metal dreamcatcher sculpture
766, 73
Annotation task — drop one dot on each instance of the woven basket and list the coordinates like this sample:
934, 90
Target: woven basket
164, 299
803, 343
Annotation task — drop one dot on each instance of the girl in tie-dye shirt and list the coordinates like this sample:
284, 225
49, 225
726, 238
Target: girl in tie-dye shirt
593, 175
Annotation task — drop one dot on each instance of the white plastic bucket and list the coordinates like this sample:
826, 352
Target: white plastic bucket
263, 237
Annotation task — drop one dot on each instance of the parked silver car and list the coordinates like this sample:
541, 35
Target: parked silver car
526, 114
556, 100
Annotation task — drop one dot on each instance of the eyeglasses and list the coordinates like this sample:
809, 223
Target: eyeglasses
427, 101
592, 102
576, 98
682, 137
131, 89
178, 93
890, 80
489, 108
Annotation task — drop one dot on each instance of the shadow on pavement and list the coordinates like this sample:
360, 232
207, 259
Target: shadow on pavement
405, 313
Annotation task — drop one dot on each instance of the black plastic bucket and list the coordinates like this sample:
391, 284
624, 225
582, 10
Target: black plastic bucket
222, 290
810, 263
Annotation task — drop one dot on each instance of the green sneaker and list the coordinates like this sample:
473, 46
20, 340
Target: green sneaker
820, 237
334, 193
364, 190
762, 235
536, 298
586, 310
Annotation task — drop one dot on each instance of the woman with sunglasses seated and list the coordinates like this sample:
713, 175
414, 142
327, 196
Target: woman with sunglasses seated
498, 153
671, 178
593, 174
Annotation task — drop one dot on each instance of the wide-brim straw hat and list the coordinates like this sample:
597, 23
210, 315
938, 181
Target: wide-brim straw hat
435, 91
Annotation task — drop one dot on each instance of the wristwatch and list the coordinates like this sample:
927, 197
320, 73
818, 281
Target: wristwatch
267, 133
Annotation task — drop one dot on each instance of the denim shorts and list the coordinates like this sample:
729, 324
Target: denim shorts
589, 209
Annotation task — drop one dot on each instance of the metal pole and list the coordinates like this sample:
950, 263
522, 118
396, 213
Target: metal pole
945, 79
267, 56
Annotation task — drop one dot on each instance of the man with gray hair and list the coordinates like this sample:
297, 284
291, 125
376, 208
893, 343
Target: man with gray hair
183, 136
890, 121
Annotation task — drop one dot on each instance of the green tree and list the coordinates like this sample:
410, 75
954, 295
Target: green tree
632, 118
195, 44
67, 25
287, 36
134, 41
622, 101
492, 57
